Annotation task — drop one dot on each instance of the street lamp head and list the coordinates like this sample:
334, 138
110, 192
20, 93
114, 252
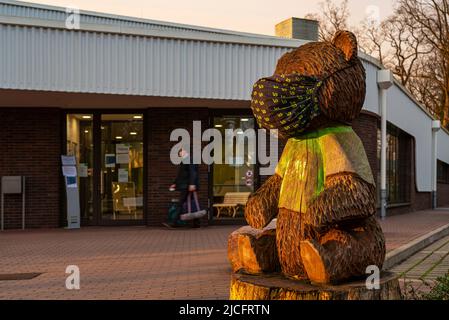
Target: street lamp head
384, 79
436, 125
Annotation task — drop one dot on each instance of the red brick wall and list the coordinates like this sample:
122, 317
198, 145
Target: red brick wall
30, 145
418, 200
161, 172
443, 194
366, 127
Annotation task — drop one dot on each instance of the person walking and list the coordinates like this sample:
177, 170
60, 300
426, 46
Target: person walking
186, 182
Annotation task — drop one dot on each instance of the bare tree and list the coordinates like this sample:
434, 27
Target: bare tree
430, 20
394, 44
332, 18
413, 43
372, 40
407, 47
423, 86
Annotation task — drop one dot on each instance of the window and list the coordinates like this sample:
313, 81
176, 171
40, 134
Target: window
234, 175
399, 145
122, 166
442, 172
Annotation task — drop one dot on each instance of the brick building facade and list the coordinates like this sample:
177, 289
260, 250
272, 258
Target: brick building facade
34, 147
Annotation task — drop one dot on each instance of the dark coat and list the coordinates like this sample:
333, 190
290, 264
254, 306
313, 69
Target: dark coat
187, 175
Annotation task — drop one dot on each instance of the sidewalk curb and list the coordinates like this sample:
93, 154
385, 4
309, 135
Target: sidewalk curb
405, 251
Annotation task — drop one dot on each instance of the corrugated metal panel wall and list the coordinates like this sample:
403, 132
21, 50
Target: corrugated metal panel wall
62, 60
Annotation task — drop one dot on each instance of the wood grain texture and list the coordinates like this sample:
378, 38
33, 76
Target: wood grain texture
253, 251
344, 251
276, 287
345, 197
262, 206
326, 230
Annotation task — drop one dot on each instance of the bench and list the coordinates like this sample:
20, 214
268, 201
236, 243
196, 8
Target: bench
232, 202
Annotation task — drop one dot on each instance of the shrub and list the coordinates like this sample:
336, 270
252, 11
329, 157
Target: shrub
440, 291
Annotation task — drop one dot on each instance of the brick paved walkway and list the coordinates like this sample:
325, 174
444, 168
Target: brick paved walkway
118, 263
401, 229
418, 273
143, 263
427, 264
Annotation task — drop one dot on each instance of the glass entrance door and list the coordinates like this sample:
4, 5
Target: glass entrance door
233, 175
122, 167
109, 150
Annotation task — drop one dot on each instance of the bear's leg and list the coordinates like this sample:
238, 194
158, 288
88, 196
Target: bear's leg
262, 206
253, 251
289, 234
344, 252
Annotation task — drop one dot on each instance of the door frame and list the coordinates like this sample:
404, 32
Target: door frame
96, 125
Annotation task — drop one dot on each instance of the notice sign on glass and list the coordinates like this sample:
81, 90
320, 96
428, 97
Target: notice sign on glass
83, 170
109, 160
122, 175
122, 158
121, 148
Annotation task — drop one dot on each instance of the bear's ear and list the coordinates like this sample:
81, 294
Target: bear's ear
346, 42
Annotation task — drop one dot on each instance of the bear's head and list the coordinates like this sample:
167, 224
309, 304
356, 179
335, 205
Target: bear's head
315, 85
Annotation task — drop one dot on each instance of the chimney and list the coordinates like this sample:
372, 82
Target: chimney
297, 28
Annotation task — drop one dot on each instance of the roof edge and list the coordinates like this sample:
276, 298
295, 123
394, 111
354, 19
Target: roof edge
139, 20
102, 28
380, 66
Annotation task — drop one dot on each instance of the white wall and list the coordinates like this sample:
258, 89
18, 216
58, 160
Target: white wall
443, 146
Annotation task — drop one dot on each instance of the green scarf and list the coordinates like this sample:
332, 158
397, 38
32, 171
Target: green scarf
308, 159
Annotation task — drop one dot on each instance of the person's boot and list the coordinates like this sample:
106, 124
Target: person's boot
170, 225
196, 223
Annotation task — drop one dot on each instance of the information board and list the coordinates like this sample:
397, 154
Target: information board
72, 193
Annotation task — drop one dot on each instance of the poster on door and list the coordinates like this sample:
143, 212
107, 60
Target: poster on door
122, 175
122, 148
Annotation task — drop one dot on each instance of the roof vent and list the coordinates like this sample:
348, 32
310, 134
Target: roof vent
297, 28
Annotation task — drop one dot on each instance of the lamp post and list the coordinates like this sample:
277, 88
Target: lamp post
436, 125
384, 81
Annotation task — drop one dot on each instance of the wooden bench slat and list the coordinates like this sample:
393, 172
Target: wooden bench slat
233, 200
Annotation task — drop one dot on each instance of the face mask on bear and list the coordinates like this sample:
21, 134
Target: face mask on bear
286, 102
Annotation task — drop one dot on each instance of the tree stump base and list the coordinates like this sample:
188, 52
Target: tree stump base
277, 287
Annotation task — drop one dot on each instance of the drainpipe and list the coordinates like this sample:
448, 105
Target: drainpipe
436, 125
384, 81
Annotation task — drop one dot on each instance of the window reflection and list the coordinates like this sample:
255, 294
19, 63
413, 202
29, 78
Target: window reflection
235, 178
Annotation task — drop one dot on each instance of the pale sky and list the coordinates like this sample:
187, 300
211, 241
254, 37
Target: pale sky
256, 16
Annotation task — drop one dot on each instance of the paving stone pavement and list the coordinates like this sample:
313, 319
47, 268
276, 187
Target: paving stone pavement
401, 229
142, 262
118, 263
427, 264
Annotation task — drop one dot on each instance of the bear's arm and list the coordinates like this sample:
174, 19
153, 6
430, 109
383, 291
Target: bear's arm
345, 197
262, 206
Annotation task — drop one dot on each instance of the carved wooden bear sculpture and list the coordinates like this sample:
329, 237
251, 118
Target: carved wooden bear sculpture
323, 191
